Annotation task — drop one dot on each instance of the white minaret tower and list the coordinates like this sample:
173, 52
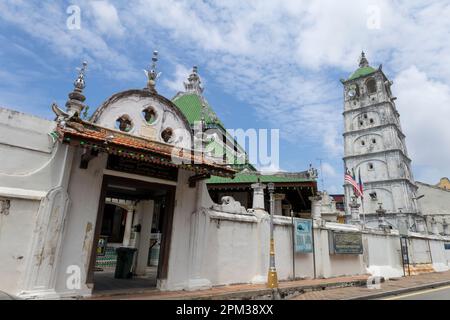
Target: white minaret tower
374, 147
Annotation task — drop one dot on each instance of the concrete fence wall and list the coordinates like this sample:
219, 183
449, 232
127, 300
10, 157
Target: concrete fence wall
238, 251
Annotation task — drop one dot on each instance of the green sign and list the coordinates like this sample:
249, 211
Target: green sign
345, 242
303, 235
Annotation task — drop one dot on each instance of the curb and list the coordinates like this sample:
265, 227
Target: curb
401, 291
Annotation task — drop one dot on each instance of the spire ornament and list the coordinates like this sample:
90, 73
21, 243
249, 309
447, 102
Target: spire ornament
75, 104
363, 62
194, 83
152, 74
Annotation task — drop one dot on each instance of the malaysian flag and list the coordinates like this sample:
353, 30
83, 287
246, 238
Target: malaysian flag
349, 178
360, 184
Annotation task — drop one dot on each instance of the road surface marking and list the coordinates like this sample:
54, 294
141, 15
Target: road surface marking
417, 293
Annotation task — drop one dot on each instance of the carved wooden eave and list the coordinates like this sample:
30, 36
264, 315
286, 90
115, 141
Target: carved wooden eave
97, 139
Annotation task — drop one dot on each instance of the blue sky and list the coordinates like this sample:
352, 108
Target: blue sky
264, 64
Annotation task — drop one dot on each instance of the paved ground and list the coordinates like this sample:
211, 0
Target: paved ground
405, 283
242, 291
441, 293
105, 282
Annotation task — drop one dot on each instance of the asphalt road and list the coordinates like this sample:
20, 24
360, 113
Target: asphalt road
442, 293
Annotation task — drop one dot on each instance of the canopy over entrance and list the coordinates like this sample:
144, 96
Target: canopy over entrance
94, 139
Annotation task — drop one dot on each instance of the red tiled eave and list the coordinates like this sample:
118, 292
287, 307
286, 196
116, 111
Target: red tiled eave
95, 137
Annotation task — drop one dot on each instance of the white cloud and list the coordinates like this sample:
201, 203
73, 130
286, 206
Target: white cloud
424, 105
46, 22
106, 18
177, 78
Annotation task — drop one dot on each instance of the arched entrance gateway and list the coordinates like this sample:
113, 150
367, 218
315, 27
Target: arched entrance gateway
139, 145
126, 179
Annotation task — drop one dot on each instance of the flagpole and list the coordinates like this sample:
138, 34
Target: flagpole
363, 212
360, 184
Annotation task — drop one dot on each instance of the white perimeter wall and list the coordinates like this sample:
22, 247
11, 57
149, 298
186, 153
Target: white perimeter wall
16, 232
237, 251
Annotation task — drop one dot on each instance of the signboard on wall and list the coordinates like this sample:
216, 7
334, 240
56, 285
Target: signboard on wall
345, 242
303, 235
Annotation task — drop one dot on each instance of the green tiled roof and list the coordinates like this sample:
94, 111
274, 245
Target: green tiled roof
248, 177
190, 105
361, 72
218, 150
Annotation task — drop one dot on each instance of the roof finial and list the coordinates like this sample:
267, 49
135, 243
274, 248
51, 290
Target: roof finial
76, 98
151, 74
79, 82
194, 83
363, 61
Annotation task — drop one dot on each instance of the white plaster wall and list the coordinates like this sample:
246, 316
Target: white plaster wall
383, 254
447, 254
133, 104
435, 201
334, 265
29, 159
232, 253
16, 231
438, 255
186, 200
419, 251
238, 252
284, 253
84, 192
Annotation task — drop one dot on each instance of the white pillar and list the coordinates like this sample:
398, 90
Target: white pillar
199, 225
258, 196
128, 225
146, 213
420, 226
287, 210
354, 210
278, 198
315, 207
434, 227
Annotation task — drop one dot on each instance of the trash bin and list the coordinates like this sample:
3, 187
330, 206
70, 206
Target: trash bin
124, 262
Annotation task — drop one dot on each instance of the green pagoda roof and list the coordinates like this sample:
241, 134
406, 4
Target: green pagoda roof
361, 72
191, 104
252, 177
364, 68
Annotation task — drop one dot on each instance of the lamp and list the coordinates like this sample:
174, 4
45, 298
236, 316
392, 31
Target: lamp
272, 278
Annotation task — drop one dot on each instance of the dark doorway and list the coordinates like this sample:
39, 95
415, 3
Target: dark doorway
132, 214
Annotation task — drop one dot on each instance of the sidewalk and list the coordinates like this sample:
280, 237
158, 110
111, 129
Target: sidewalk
391, 287
241, 292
